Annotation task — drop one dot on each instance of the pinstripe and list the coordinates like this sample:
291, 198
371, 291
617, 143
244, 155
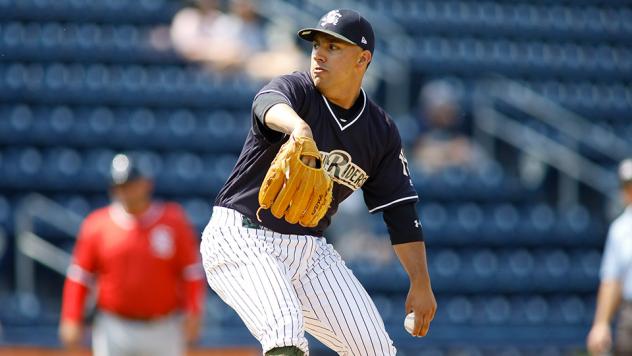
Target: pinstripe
268, 310
346, 330
331, 266
262, 266
288, 297
322, 312
228, 286
354, 316
278, 302
323, 334
357, 314
281, 285
244, 311
369, 310
301, 254
223, 290
287, 249
330, 312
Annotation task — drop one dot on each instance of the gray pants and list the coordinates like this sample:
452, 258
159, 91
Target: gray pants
623, 337
116, 336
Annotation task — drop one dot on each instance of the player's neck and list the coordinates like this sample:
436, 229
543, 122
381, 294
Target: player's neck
137, 209
343, 98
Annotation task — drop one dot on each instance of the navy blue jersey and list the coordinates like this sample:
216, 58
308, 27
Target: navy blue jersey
362, 150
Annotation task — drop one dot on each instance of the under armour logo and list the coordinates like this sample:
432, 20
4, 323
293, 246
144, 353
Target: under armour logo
417, 224
363, 40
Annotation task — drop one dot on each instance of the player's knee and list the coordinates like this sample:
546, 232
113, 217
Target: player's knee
285, 351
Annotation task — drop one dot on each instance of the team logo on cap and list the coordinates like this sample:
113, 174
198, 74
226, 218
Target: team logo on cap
332, 17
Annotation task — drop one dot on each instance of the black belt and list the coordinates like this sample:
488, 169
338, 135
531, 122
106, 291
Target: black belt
139, 318
248, 223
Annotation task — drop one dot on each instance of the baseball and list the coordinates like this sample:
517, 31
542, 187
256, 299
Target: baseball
409, 322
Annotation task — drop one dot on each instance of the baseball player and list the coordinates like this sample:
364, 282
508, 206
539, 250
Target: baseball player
282, 277
615, 289
141, 255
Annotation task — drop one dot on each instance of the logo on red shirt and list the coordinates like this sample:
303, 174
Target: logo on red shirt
161, 241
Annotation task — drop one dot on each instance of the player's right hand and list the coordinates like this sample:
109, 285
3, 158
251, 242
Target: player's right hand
599, 339
192, 326
302, 129
70, 333
421, 301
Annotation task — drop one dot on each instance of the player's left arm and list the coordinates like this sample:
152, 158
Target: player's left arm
391, 190
407, 238
420, 299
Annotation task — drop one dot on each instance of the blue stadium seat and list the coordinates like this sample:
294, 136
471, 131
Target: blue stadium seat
198, 211
62, 166
469, 217
23, 168
433, 217
76, 203
6, 213
17, 125
459, 310
446, 264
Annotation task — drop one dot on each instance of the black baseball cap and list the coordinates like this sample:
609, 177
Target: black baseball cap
123, 169
344, 24
625, 171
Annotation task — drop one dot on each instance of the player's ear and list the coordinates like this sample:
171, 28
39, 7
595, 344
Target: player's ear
365, 57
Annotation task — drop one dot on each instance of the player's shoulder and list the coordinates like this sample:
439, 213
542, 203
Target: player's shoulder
379, 116
172, 209
297, 79
290, 84
621, 227
96, 221
299, 76
98, 215
173, 213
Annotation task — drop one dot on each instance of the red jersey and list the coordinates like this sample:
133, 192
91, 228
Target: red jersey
143, 267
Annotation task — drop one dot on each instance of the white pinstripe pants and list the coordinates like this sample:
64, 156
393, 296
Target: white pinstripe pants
282, 285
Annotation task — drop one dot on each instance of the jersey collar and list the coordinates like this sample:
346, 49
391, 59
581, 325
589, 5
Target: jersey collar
340, 121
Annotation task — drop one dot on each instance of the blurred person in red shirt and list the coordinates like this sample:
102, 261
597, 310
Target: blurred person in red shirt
142, 255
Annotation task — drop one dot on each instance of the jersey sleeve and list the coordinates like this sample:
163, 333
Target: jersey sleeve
288, 89
390, 183
189, 262
612, 266
80, 275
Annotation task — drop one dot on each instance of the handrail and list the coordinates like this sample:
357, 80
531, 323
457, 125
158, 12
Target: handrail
31, 248
572, 124
547, 150
490, 122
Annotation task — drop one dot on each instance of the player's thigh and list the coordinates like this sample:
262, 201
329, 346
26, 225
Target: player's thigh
109, 338
163, 338
339, 312
251, 281
623, 336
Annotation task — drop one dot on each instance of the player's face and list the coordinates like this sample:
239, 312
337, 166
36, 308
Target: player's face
334, 63
627, 193
133, 195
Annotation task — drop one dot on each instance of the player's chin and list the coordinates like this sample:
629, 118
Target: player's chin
318, 81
